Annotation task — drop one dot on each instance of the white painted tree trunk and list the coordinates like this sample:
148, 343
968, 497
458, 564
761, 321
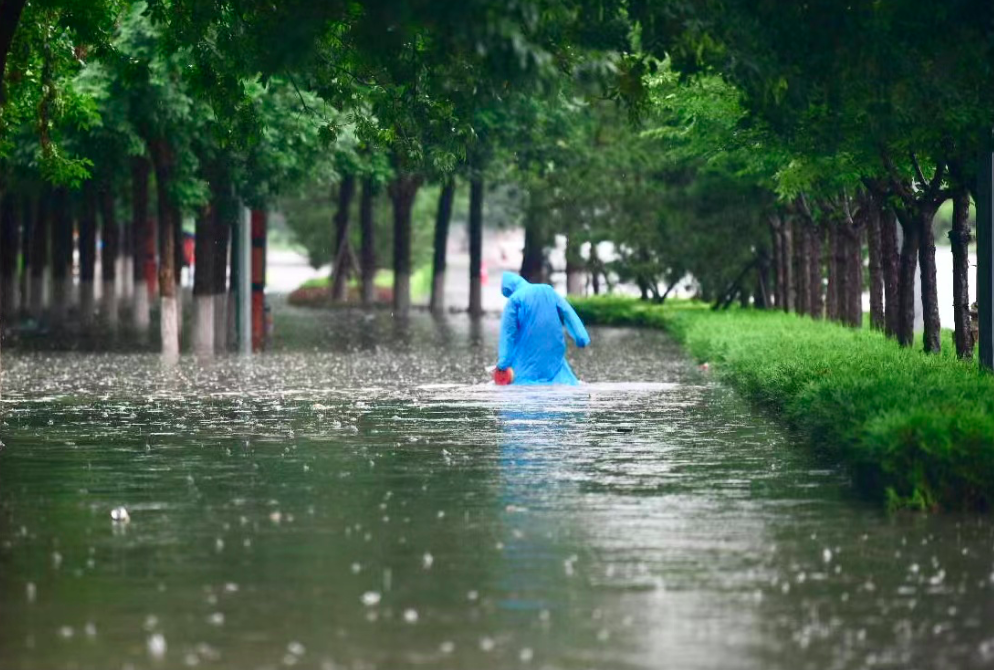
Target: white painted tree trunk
203, 334
87, 304
108, 304
179, 308
169, 326
220, 322
141, 317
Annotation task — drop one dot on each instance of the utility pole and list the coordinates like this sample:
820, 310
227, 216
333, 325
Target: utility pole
985, 257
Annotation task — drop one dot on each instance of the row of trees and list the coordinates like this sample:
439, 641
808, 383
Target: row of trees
786, 156
858, 117
794, 156
150, 113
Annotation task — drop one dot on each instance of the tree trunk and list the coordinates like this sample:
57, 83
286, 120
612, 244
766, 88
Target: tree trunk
403, 190
889, 267
816, 301
204, 279
442, 219
574, 268
62, 244
846, 269
802, 268
532, 258
162, 161
906, 283
855, 264
39, 255
475, 245
110, 237
176, 217
367, 251
260, 224
224, 214
232, 336
28, 222
832, 292
790, 290
843, 275
595, 269
141, 236
762, 294
88, 255
930, 293
222, 254
9, 246
959, 238
873, 241
777, 261
125, 258
850, 240
340, 273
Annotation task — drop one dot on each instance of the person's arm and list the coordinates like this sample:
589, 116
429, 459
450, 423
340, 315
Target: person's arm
572, 322
508, 335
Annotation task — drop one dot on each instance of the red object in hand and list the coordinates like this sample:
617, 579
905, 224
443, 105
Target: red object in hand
503, 377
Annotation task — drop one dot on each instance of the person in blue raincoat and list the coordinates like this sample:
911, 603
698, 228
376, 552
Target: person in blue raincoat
531, 333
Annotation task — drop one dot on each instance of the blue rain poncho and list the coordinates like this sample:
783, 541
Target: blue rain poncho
531, 333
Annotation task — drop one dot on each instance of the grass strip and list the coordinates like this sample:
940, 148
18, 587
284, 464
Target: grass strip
914, 430
420, 281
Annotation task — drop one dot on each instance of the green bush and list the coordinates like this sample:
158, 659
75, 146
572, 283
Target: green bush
915, 430
420, 281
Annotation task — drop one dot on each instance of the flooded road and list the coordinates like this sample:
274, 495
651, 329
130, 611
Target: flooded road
357, 498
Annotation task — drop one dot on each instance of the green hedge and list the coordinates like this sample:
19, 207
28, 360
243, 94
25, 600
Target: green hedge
914, 430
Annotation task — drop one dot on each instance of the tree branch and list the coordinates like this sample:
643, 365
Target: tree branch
918, 170
300, 95
802, 201
896, 183
847, 207
935, 187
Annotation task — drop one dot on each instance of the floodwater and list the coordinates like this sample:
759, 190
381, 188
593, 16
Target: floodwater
358, 498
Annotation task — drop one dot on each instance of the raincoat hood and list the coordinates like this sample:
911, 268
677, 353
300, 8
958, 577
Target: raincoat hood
510, 282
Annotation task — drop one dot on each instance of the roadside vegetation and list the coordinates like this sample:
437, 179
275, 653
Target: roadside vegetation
914, 430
